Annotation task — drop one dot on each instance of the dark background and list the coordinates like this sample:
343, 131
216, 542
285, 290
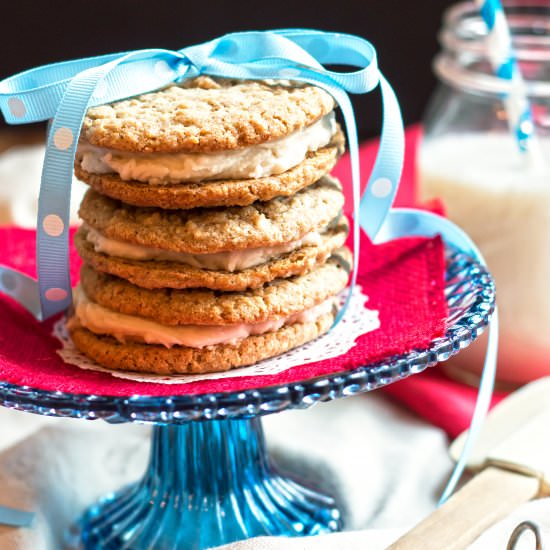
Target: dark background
403, 32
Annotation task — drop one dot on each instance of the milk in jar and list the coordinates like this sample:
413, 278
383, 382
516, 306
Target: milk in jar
504, 205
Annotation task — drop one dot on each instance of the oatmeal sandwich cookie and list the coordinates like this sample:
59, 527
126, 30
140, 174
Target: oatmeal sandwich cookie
165, 331
210, 142
230, 249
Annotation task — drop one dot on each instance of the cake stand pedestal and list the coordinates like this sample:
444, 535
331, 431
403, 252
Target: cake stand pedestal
209, 479
207, 483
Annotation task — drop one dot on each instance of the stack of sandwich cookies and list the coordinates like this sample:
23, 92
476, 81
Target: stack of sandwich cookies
212, 236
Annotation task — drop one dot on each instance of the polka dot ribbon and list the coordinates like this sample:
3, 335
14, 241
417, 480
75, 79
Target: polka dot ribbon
64, 91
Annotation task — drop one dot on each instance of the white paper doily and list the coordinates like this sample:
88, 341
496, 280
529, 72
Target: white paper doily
358, 321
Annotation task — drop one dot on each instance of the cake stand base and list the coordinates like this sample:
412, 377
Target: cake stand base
207, 483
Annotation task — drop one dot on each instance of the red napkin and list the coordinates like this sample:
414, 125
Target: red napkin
404, 281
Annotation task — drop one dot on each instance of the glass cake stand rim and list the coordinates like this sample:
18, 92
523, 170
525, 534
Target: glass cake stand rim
470, 294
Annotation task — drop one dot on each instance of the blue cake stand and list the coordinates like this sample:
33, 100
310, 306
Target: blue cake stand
209, 479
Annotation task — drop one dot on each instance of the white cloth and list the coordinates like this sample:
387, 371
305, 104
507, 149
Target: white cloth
56, 467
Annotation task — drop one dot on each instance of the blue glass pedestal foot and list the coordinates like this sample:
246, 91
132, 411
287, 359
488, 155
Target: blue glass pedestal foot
208, 483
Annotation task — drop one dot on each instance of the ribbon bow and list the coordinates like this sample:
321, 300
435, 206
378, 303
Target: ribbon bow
64, 91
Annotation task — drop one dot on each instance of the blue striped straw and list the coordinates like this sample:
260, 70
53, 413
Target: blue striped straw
505, 65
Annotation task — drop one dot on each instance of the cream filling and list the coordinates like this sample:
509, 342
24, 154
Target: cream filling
101, 320
231, 260
256, 161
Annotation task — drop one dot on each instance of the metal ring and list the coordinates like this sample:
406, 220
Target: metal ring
518, 532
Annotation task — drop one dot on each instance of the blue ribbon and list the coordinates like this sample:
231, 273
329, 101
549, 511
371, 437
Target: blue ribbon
64, 91
15, 517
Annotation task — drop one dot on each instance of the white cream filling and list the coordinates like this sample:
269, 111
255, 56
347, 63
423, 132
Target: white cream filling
256, 161
231, 260
101, 320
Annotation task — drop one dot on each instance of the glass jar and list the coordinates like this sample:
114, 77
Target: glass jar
470, 160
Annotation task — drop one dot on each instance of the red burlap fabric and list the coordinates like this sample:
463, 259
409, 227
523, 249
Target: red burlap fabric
403, 279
